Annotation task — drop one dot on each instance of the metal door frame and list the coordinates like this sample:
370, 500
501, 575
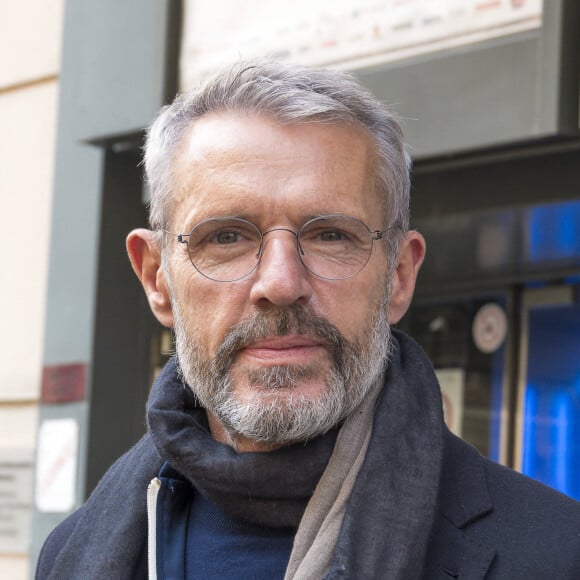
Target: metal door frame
550, 296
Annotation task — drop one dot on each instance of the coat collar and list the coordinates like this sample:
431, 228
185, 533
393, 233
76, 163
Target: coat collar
464, 499
463, 493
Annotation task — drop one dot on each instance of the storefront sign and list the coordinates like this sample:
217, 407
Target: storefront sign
56, 466
351, 33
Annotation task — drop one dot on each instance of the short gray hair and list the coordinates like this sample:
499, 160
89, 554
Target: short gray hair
290, 94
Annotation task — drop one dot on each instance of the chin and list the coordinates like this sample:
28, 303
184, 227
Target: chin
280, 411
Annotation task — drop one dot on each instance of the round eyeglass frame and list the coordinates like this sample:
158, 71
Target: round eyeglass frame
374, 235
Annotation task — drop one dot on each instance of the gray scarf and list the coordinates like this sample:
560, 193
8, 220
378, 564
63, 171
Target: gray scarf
268, 489
387, 518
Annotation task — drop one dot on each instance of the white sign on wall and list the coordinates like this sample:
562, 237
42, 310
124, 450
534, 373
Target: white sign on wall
15, 498
349, 33
56, 467
452, 382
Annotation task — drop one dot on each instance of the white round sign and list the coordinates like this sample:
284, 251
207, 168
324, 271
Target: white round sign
489, 328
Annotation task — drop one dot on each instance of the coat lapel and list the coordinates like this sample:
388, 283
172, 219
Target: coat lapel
454, 551
453, 554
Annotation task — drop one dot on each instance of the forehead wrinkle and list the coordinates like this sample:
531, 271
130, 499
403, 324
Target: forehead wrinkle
198, 162
215, 160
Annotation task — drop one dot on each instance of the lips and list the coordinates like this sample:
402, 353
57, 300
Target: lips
284, 342
284, 349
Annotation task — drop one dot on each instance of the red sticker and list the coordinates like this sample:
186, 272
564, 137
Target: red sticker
63, 383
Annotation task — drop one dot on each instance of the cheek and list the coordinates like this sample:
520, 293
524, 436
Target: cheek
210, 310
365, 298
349, 305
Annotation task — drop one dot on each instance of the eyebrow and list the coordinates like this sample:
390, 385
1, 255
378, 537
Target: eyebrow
202, 218
255, 220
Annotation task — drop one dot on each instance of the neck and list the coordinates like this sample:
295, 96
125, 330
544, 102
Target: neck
237, 442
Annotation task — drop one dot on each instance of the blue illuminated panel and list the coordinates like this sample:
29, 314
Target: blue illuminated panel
551, 438
553, 232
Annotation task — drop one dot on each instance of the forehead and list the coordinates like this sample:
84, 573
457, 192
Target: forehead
240, 164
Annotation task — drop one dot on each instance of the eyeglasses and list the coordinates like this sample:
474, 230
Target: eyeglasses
332, 247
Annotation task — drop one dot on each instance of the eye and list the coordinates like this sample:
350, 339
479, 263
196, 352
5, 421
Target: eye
332, 236
227, 237
325, 234
222, 235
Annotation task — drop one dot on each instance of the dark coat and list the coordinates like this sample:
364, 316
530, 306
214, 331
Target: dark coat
492, 523
495, 523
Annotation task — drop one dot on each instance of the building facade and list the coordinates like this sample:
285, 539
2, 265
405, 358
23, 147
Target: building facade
30, 42
489, 94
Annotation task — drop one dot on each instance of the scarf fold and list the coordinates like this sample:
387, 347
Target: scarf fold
371, 513
268, 489
388, 519
318, 532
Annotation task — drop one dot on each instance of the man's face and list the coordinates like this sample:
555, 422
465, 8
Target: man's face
279, 355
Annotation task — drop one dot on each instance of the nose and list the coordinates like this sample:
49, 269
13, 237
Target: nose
280, 277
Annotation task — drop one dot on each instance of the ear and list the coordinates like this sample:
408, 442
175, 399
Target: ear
410, 258
145, 256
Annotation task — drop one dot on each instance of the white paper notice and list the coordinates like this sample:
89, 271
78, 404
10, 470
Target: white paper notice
452, 386
58, 442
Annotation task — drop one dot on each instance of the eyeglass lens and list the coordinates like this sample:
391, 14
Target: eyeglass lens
330, 247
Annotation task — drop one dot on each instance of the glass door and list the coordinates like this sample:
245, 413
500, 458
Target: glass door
467, 339
548, 406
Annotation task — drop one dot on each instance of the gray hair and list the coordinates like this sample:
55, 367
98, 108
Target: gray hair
290, 94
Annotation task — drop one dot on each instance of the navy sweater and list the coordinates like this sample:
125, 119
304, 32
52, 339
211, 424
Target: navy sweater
221, 547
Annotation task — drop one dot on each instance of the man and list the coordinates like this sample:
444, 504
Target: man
294, 436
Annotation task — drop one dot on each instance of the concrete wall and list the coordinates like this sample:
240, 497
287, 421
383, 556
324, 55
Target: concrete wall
30, 40
117, 70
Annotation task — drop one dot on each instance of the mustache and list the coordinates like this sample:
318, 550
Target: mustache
279, 321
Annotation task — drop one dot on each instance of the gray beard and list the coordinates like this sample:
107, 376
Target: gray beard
276, 415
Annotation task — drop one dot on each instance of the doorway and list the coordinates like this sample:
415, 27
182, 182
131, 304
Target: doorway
548, 409
508, 362
467, 339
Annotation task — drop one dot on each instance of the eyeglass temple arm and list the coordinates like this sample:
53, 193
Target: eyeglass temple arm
378, 234
181, 238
